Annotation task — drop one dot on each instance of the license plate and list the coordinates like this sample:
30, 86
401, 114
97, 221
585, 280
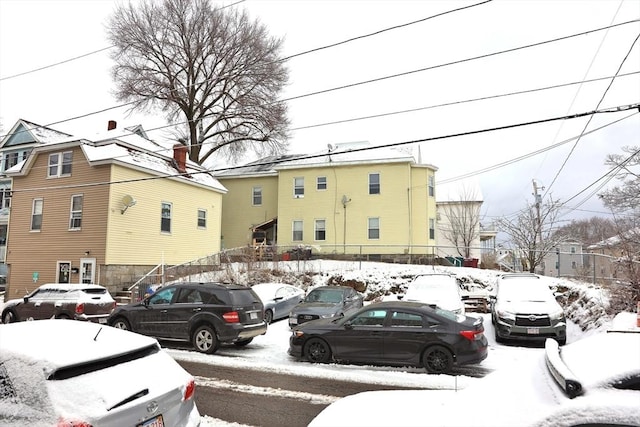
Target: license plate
533, 331
307, 317
153, 422
253, 315
103, 320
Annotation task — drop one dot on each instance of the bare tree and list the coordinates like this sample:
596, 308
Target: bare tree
532, 232
460, 220
214, 68
627, 167
587, 231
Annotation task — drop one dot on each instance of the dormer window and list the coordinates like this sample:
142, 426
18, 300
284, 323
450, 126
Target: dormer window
59, 164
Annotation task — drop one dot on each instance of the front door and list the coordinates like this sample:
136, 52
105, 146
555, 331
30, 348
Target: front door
87, 270
64, 272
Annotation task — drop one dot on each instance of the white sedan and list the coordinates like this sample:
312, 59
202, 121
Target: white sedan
278, 299
591, 382
63, 373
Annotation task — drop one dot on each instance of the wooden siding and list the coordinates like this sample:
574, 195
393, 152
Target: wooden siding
30, 252
135, 237
239, 214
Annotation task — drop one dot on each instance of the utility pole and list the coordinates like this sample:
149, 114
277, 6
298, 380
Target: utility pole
538, 199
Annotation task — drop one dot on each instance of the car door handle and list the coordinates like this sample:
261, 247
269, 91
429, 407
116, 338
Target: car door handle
195, 310
164, 311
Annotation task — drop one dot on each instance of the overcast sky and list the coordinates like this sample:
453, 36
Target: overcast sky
36, 34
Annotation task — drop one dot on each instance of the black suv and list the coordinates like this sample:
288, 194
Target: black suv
205, 314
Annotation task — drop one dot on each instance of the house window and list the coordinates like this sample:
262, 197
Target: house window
321, 233
202, 218
75, 216
432, 186
374, 228
432, 228
257, 196
59, 164
5, 196
36, 215
165, 220
321, 183
298, 187
574, 265
573, 249
374, 183
297, 231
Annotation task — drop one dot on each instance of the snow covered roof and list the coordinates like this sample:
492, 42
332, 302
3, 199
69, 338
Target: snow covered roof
25, 132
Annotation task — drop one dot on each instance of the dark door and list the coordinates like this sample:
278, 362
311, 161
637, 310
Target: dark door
64, 272
152, 317
363, 340
407, 334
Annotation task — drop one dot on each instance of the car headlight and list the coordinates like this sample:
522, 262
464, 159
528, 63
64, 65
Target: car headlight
324, 316
504, 314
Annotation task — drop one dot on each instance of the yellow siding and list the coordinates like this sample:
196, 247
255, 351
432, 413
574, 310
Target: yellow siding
239, 214
135, 237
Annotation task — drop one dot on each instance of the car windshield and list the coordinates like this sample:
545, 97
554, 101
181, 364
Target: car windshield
525, 291
324, 295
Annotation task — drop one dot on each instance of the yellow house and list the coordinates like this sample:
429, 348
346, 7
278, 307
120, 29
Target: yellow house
352, 199
107, 211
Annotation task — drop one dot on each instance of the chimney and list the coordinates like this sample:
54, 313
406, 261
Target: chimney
180, 157
111, 125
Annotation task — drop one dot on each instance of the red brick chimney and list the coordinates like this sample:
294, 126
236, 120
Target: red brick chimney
111, 125
180, 156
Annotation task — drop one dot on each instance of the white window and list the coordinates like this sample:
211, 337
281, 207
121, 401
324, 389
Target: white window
165, 220
75, 216
320, 233
432, 186
202, 218
297, 231
36, 214
432, 228
59, 164
374, 228
257, 196
298, 187
321, 183
374, 183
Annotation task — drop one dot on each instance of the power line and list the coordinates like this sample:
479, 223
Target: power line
354, 150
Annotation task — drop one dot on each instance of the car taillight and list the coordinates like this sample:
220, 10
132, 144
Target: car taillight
72, 423
80, 308
190, 390
231, 317
471, 335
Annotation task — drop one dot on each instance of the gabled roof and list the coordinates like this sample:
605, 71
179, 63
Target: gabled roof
30, 134
130, 150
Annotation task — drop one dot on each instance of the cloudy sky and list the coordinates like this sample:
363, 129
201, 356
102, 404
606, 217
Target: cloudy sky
481, 67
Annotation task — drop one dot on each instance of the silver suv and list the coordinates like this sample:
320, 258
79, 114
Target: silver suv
525, 308
77, 301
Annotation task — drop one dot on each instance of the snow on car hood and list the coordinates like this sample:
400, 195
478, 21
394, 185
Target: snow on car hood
529, 307
318, 308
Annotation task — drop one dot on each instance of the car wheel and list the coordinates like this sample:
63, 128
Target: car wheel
63, 316
317, 351
8, 317
437, 360
562, 341
268, 316
204, 339
243, 342
121, 323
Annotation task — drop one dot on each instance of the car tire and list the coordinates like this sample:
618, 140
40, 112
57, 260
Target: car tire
562, 341
121, 323
268, 316
204, 339
317, 350
437, 360
242, 343
63, 316
9, 317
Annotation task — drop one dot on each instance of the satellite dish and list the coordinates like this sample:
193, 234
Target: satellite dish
127, 201
330, 147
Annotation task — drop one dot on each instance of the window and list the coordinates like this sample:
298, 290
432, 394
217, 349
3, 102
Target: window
60, 164
321, 183
399, 318
75, 217
374, 183
321, 233
370, 318
257, 196
574, 265
573, 249
165, 221
5, 196
298, 187
432, 186
374, 228
36, 215
202, 218
432, 228
297, 231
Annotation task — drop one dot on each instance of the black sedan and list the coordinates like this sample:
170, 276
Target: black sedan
393, 333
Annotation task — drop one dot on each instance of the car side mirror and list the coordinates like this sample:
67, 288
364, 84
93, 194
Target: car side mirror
25, 299
348, 325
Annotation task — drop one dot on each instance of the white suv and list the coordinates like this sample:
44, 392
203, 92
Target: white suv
525, 308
